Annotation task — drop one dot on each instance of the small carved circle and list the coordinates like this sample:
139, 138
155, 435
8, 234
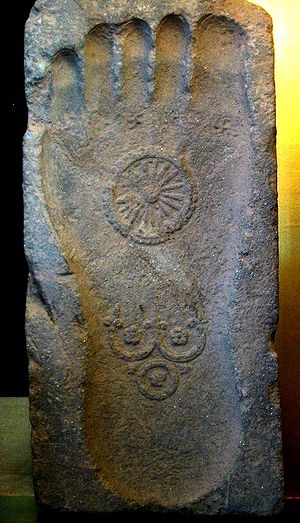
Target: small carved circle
183, 343
150, 199
157, 380
132, 343
158, 377
132, 335
179, 336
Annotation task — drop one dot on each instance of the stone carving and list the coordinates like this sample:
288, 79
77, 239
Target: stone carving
182, 344
149, 191
150, 199
134, 342
157, 380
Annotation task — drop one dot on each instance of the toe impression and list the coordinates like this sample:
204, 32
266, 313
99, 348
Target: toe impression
137, 43
172, 52
66, 86
99, 67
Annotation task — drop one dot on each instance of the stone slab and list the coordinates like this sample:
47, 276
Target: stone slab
151, 237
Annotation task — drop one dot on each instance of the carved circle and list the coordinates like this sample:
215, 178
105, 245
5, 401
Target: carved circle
132, 343
157, 380
182, 344
150, 199
132, 335
179, 336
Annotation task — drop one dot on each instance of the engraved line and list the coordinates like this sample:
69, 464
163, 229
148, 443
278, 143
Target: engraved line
164, 169
166, 206
135, 213
123, 207
153, 217
143, 217
169, 178
148, 216
123, 201
135, 223
164, 211
145, 168
170, 204
179, 185
157, 168
139, 174
122, 188
174, 196
132, 176
128, 210
125, 212
152, 170
139, 180
124, 195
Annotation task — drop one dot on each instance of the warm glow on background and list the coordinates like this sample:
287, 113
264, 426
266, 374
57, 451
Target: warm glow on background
286, 21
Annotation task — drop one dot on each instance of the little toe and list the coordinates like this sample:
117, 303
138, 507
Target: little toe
66, 78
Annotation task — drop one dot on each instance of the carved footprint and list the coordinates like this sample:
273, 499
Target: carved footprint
144, 170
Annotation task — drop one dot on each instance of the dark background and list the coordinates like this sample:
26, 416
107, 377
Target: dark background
13, 379
13, 363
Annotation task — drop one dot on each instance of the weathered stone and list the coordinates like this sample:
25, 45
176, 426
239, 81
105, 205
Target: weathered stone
150, 210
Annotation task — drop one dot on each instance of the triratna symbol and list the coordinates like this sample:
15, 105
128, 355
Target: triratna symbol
171, 344
150, 199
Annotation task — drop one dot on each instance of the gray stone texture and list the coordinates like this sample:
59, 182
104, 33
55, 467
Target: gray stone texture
151, 237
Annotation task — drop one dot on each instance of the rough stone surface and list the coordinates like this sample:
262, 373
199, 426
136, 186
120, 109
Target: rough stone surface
151, 237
